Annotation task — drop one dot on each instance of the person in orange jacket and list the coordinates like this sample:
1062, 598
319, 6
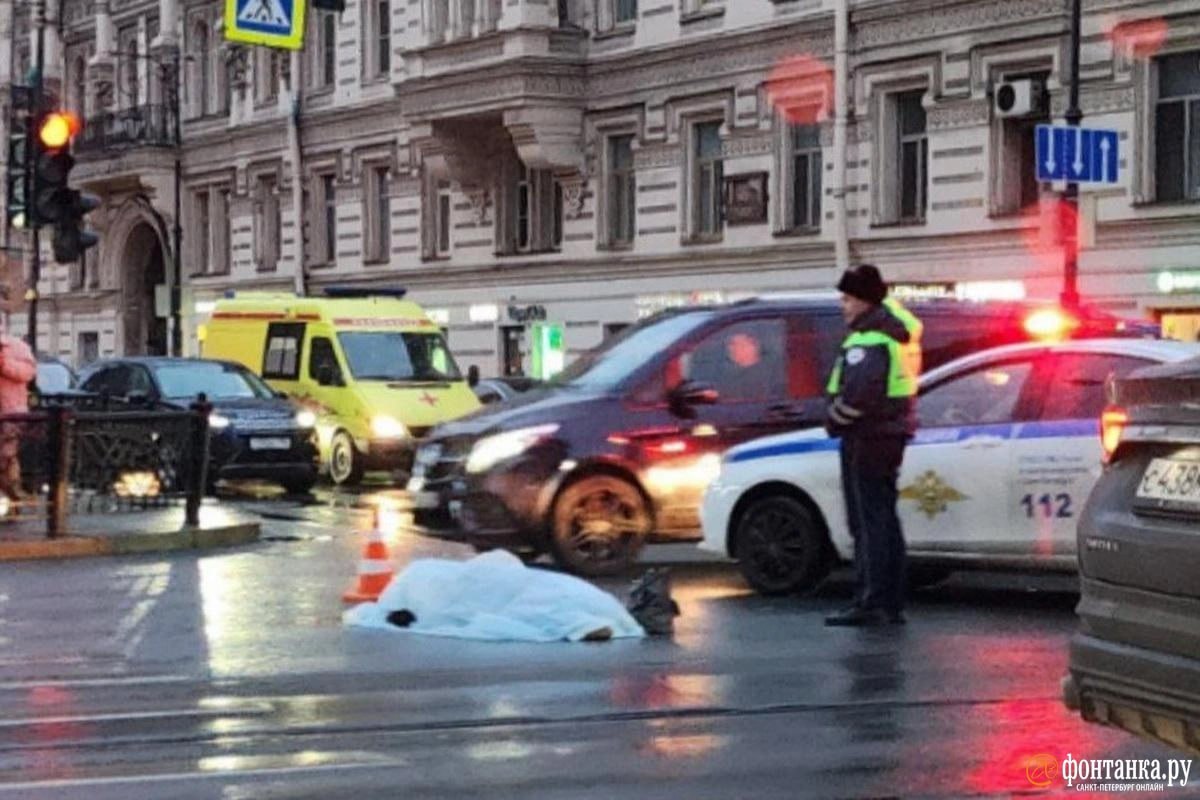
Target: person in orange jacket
18, 368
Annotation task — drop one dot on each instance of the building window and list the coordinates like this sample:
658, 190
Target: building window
266, 74
1177, 128
912, 156
266, 224
442, 221
78, 85
806, 167
1014, 161
707, 173
625, 11
536, 211
203, 236
201, 60
524, 217
88, 349
378, 214
622, 190
128, 65
326, 204
222, 238
323, 73
383, 31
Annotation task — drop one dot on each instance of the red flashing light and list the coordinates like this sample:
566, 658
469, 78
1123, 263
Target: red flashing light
1051, 324
57, 129
1112, 424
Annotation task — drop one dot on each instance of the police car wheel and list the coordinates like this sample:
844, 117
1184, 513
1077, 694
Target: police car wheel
345, 464
598, 526
780, 547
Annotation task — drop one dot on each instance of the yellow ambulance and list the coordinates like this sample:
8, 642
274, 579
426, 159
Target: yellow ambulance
374, 368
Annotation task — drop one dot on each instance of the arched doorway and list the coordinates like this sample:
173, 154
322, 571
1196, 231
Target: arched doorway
144, 267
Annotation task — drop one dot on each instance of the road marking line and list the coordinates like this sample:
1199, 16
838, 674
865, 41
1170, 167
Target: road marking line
259, 709
196, 776
126, 680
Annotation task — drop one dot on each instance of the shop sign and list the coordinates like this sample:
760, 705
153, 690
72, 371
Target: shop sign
525, 314
1177, 282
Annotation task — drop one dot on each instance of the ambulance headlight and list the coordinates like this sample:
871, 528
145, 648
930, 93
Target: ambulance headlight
491, 450
306, 419
385, 427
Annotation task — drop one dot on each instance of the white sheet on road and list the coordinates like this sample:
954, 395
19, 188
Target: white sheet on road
495, 597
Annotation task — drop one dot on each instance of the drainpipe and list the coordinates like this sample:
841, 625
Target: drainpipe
841, 82
296, 157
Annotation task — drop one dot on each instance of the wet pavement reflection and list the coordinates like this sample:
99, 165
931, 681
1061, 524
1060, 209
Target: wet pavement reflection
230, 675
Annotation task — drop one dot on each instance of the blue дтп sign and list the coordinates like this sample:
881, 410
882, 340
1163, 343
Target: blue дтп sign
1081, 155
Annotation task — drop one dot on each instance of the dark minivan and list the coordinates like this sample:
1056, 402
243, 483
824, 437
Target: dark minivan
622, 444
1135, 662
255, 432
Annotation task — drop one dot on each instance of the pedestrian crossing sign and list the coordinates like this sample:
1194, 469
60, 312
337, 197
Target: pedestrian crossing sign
273, 23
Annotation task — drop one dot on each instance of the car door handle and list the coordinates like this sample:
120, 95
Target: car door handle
786, 411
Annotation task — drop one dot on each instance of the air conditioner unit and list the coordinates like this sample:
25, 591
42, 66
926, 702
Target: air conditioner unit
1019, 98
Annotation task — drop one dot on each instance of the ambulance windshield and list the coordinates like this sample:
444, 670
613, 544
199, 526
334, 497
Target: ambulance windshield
396, 356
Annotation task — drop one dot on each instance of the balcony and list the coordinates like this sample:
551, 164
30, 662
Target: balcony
140, 126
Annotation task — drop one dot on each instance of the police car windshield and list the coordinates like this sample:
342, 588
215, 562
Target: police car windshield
216, 381
612, 363
398, 357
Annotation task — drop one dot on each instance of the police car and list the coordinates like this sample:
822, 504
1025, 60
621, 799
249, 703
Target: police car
1007, 451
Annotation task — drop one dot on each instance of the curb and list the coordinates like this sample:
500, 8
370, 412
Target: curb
132, 544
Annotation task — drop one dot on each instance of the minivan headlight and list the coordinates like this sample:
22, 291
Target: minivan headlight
491, 450
385, 427
218, 422
306, 419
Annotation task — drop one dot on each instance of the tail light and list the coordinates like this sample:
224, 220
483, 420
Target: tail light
1051, 324
1112, 424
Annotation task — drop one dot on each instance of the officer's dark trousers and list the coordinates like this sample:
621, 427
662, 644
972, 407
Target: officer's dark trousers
870, 468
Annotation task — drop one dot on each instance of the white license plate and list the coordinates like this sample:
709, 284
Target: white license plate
456, 510
425, 499
1174, 480
270, 443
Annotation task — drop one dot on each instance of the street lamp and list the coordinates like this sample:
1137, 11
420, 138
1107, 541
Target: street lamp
1074, 115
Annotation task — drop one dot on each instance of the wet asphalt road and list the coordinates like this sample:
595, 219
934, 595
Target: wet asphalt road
229, 675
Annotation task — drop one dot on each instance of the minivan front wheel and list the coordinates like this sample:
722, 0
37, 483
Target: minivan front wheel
598, 526
345, 462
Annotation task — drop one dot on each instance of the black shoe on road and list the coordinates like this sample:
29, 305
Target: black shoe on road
864, 618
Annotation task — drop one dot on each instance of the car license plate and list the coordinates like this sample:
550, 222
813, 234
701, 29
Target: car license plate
425, 499
270, 443
1172, 480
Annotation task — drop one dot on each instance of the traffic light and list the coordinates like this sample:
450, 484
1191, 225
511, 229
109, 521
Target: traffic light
54, 202
16, 185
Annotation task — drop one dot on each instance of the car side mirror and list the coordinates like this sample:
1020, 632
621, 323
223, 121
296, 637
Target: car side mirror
684, 398
138, 398
328, 375
473, 376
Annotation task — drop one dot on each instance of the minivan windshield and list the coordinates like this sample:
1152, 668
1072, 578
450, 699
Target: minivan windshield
397, 356
610, 364
217, 381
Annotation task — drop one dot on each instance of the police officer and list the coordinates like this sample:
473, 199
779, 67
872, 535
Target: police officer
871, 408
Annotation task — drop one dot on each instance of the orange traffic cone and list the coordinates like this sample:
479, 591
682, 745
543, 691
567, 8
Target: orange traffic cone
374, 570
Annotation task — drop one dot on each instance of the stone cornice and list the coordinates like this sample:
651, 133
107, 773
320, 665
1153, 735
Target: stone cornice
906, 22
489, 89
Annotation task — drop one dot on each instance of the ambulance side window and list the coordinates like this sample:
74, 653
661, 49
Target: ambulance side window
323, 364
282, 358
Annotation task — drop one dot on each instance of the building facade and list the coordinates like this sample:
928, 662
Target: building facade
586, 162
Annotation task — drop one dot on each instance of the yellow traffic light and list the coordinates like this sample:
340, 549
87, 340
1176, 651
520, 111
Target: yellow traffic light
57, 129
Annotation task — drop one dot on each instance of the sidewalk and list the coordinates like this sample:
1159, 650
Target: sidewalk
128, 533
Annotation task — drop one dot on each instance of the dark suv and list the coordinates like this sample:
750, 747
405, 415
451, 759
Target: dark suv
1135, 662
255, 432
623, 443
